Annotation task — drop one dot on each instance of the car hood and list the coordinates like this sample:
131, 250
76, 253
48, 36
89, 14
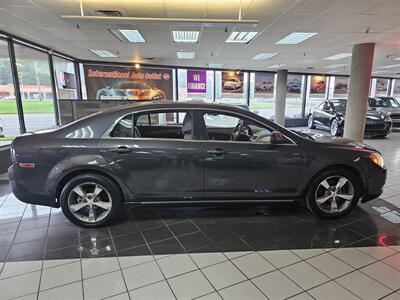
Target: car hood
389, 110
343, 143
372, 115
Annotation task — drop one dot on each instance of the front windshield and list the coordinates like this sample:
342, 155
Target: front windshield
339, 105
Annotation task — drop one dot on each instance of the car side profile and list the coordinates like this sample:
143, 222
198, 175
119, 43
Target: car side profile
330, 114
133, 90
232, 84
177, 152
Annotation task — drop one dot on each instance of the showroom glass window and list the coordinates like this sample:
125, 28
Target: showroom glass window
381, 86
231, 87
195, 85
35, 84
294, 97
316, 92
396, 88
64, 74
262, 93
9, 123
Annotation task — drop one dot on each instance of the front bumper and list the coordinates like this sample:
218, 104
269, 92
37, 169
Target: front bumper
378, 128
374, 181
30, 188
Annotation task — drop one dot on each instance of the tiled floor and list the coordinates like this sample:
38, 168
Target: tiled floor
254, 252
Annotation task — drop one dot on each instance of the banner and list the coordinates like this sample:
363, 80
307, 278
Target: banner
264, 84
196, 81
341, 85
119, 82
232, 82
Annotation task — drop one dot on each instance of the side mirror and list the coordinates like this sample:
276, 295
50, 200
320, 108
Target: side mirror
276, 138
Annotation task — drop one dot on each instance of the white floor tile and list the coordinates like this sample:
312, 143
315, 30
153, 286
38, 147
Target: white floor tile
363, 286
20, 285
156, 291
20, 267
384, 274
129, 261
280, 258
176, 264
302, 296
142, 275
234, 254
28, 297
305, 275
212, 296
123, 296
330, 265
393, 296
197, 283
244, 290
100, 265
223, 275
64, 292
378, 252
208, 259
393, 261
104, 286
253, 265
331, 291
57, 262
353, 257
60, 275
307, 253
276, 286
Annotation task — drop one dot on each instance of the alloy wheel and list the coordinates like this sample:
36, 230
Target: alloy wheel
334, 127
310, 121
89, 202
334, 194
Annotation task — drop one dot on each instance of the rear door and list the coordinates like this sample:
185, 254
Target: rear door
149, 152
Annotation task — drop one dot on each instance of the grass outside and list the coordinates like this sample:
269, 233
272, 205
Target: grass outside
29, 106
7, 138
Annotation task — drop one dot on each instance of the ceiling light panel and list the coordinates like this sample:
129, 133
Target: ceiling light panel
184, 36
277, 66
338, 56
217, 66
186, 55
241, 37
390, 66
335, 66
296, 38
264, 56
128, 35
103, 53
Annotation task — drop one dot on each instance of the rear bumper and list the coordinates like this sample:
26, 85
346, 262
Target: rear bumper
28, 188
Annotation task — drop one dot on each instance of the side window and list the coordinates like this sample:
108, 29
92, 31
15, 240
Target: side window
327, 106
123, 128
222, 127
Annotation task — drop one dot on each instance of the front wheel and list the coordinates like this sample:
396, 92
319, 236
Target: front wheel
310, 122
334, 128
91, 200
333, 193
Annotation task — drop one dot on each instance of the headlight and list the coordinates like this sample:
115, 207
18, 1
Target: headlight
388, 119
377, 159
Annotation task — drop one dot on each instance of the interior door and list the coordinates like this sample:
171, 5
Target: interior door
248, 170
156, 168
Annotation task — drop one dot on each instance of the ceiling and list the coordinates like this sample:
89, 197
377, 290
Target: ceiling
340, 24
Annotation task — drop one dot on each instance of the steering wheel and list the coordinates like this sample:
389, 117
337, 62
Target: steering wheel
242, 132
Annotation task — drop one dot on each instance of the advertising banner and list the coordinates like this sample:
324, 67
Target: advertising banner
294, 83
232, 82
196, 81
264, 84
341, 85
120, 82
318, 84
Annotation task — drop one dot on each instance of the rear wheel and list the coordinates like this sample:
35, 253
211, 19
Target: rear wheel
333, 193
90, 200
334, 128
310, 122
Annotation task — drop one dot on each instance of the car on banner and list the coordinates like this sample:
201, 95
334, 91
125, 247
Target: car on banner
265, 86
133, 90
294, 85
318, 86
232, 84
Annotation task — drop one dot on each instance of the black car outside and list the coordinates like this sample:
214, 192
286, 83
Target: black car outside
160, 152
330, 114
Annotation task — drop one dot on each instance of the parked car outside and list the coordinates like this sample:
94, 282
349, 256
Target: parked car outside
330, 114
179, 152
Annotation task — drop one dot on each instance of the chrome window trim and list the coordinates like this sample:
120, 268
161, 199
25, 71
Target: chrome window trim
106, 134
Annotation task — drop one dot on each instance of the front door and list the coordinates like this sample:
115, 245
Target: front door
241, 163
154, 157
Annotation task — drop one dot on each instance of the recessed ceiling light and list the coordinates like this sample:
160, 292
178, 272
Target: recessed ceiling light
128, 35
398, 58
103, 53
186, 54
390, 66
276, 66
335, 66
184, 36
296, 38
264, 56
338, 56
217, 66
241, 37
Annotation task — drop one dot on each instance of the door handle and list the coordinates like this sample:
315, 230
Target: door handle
121, 149
217, 152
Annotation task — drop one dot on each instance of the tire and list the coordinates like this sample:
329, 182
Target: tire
310, 122
317, 200
335, 128
80, 193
